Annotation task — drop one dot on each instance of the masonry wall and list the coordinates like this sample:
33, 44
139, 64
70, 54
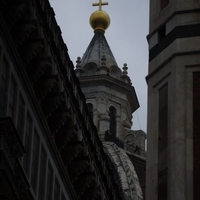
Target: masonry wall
173, 60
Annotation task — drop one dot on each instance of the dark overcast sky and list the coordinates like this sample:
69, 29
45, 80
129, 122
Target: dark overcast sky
126, 37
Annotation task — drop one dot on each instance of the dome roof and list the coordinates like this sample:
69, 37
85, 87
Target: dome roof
128, 177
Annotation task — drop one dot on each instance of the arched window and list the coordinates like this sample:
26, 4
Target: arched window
112, 114
90, 108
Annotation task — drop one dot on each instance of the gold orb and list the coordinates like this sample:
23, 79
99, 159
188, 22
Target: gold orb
99, 20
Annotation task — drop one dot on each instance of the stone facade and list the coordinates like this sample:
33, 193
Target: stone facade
111, 100
49, 148
173, 62
106, 86
128, 177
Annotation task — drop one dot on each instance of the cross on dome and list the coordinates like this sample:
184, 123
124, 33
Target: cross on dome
100, 4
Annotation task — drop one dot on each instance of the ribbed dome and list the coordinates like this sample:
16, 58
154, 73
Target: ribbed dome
128, 178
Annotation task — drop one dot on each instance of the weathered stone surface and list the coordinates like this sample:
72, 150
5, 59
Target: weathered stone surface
128, 176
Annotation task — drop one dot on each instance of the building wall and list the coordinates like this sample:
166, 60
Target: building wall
104, 92
39, 161
173, 58
43, 113
140, 167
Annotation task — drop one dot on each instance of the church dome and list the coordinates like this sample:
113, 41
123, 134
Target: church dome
99, 20
126, 177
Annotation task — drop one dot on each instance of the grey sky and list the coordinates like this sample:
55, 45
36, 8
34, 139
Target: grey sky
126, 37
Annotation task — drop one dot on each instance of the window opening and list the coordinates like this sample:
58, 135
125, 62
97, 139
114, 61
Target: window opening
90, 108
4, 71
161, 33
27, 142
112, 114
34, 169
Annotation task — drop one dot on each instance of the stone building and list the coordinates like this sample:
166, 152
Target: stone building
110, 95
111, 101
49, 146
173, 154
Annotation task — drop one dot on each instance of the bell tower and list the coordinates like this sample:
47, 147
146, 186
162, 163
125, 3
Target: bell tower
173, 153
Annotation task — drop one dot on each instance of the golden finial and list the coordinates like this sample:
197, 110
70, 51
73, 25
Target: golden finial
100, 4
100, 20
